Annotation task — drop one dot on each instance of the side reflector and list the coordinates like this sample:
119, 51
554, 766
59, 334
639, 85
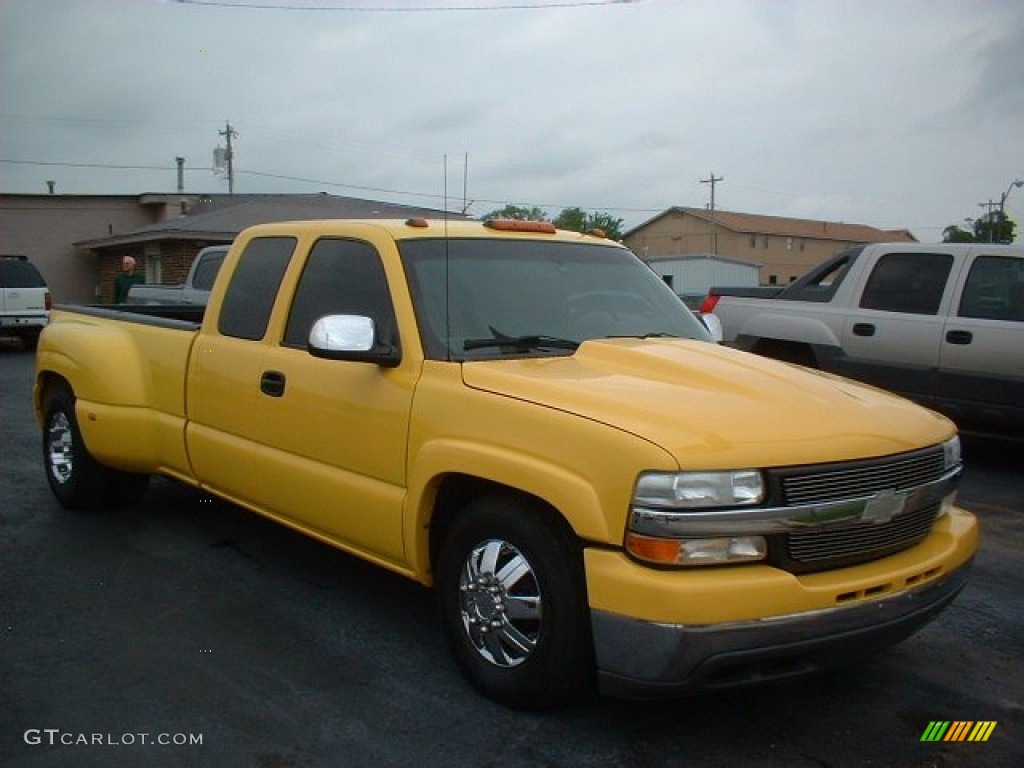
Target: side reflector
515, 225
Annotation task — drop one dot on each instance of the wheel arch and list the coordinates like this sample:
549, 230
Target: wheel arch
454, 493
449, 473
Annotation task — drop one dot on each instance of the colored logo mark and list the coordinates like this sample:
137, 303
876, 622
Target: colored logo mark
958, 730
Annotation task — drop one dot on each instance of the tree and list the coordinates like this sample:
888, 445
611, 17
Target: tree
611, 225
578, 220
517, 212
573, 219
953, 234
996, 227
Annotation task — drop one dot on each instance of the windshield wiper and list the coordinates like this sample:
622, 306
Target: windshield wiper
521, 343
656, 335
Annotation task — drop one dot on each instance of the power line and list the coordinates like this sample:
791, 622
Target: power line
417, 9
97, 165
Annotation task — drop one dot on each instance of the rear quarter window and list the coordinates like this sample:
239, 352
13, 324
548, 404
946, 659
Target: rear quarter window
253, 287
994, 289
912, 283
18, 273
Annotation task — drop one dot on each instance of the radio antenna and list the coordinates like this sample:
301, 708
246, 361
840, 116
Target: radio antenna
447, 276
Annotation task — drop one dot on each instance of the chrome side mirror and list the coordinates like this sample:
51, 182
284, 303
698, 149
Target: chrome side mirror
713, 324
353, 338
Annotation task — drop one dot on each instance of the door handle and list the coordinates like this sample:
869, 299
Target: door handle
959, 337
272, 383
863, 329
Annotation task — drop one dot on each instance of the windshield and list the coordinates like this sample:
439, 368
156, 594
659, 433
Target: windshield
530, 297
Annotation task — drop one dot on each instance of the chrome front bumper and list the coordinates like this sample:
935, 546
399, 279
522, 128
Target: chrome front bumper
638, 659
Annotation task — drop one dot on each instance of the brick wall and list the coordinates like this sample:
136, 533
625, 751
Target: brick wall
176, 257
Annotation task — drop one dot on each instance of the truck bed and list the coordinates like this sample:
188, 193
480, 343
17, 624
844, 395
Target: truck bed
184, 316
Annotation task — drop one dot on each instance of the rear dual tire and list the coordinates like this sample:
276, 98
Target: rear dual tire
75, 477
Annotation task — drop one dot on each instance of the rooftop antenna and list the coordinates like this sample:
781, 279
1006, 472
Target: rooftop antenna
447, 280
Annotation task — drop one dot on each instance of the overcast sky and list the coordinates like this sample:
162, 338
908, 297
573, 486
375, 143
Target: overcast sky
892, 113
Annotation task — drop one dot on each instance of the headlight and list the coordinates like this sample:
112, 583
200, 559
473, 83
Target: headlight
952, 458
682, 492
720, 550
951, 453
698, 490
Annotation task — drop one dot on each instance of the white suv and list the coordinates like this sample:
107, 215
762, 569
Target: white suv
24, 300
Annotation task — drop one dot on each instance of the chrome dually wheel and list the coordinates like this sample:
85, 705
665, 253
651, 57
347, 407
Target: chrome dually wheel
513, 602
75, 477
59, 454
501, 603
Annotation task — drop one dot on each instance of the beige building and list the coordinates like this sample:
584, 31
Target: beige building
784, 248
45, 228
78, 241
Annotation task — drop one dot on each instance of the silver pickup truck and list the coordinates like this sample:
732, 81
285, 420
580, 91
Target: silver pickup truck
941, 324
195, 289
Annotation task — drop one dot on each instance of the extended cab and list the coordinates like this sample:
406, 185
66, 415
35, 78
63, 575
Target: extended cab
195, 289
530, 421
942, 324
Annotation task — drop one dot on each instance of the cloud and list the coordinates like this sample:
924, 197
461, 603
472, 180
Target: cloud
892, 114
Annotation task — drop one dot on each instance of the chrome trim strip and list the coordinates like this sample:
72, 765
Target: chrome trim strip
877, 508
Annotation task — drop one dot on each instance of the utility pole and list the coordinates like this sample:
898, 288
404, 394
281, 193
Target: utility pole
991, 205
712, 180
230, 133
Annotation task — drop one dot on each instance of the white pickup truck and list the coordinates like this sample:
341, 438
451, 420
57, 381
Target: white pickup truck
941, 324
195, 289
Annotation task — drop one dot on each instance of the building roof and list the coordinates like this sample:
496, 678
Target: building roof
704, 257
757, 224
222, 217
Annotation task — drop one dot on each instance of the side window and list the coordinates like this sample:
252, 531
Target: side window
253, 288
341, 277
994, 289
908, 282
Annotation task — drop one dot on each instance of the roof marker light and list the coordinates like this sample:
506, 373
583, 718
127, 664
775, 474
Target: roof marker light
516, 225
417, 223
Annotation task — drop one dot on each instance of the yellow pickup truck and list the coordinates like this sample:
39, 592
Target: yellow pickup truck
530, 421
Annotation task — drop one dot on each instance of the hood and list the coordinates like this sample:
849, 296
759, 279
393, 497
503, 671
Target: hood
714, 407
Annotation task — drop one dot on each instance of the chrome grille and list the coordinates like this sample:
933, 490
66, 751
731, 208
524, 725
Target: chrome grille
860, 479
864, 540
826, 546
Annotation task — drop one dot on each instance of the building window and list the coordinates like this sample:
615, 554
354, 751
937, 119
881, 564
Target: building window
753, 241
764, 242
789, 243
773, 279
151, 259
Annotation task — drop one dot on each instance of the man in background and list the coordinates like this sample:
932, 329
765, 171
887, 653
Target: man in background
125, 279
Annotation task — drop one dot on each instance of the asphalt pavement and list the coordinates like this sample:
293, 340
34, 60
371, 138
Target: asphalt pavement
186, 631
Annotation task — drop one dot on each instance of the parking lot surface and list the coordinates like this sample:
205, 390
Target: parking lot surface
186, 631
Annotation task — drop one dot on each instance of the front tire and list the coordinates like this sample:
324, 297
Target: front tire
513, 603
75, 477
